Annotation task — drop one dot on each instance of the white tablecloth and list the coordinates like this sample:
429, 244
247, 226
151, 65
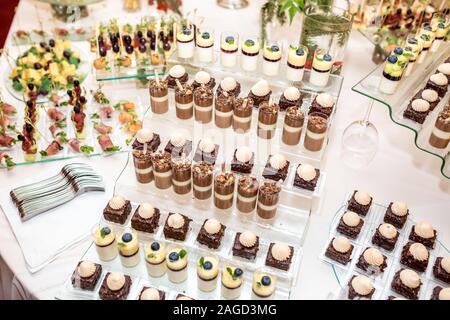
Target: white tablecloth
398, 172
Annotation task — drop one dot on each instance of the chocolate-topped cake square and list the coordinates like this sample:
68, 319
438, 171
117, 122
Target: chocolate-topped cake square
240, 250
284, 103
86, 281
107, 293
206, 152
415, 256
145, 218
276, 168
394, 218
439, 269
385, 237
243, 160
178, 151
211, 233
439, 83
117, 210
401, 288
414, 110
435, 295
360, 202
343, 257
353, 288
149, 293
372, 261
350, 225
428, 95
302, 177
152, 144
425, 234
176, 226
276, 262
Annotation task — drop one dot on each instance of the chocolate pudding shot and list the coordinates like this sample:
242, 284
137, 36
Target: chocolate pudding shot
224, 190
293, 124
184, 98
146, 142
181, 175
159, 96
440, 136
223, 113
162, 169
269, 194
203, 104
267, 120
242, 114
316, 131
247, 192
202, 179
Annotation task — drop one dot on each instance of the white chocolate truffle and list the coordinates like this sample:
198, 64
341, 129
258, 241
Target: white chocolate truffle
281, 251
341, 244
373, 257
306, 171
150, 294
292, 93
362, 285
325, 100
410, 278
387, 230
212, 226
424, 229
418, 251
445, 264
177, 71
363, 198
439, 79
261, 88
444, 294
444, 68
351, 219
176, 221
144, 135
228, 84
117, 202
146, 211
429, 95
207, 145
244, 154
278, 161
247, 239
202, 77
420, 105
400, 209
86, 269
115, 281
178, 140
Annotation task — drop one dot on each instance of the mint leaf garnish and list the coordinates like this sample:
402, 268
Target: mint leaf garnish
86, 149
182, 253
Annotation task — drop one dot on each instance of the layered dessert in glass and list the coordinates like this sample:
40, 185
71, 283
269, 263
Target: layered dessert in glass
271, 58
296, 63
229, 49
249, 53
205, 45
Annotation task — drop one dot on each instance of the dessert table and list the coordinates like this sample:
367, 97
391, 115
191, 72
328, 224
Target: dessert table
399, 171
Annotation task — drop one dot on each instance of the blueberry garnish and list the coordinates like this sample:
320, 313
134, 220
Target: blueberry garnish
392, 59
441, 25
265, 281
249, 42
37, 66
206, 35
238, 272
106, 230
275, 48
207, 265
427, 27
187, 32
155, 246
299, 52
229, 40
327, 57
174, 256
412, 40
398, 51
127, 237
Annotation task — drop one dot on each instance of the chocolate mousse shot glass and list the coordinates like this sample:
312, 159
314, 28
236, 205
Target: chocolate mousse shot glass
242, 114
181, 175
440, 136
247, 192
293, 124
202, 180
143, 165
162, 169
267, 120
224, 190
184, 98
316, 131
268, 197
159, 96
223, 113
203, 104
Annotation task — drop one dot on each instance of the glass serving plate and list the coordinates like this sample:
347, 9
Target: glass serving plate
397, 102
382, 282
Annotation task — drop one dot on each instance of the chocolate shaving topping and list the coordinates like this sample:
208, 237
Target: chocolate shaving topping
265, 107
295, 113
225, 178
248, 183
239, 103
202, 169
270, 187
161, 84
318, 122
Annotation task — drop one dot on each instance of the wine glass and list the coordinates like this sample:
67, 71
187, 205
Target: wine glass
233, 4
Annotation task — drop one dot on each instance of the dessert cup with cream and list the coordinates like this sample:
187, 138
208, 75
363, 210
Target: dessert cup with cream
229, 49
271, 58
185, 41
321, 68
105, 242
296, 63
155, 258
205, 45
232, 280
392, 74
177, 268
263, 286
249, 53
207, 273
128, 246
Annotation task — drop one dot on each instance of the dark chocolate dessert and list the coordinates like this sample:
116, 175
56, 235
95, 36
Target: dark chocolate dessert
206, 151
360, 287
83, 277
424, 233
106, 293
176, 226
211, 233
441, 269
306, 177
350, 225
415, 256
117, 210
145, 218
279, 256
372, 261
385, 236
359, 203
340, 250
276, 168
396, 214
417, 110
246, 245
407, 283
243, 160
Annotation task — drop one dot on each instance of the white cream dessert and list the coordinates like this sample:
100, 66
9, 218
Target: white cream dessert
444, 68
426, 42
229, 50
150, 294
105, 243
321, 68
185, 42
272, 58
392, 74
205, 46
263, 286
411, 50
296, 63
207, 273
177, 260
155, 257
250, 53
232, 279
128, 249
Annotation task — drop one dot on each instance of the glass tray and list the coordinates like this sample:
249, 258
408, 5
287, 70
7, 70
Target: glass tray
382, 282
397, 102
285, 279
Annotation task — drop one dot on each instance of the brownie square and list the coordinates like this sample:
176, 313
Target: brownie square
181, 296
432, 104
435, 294
316, 107
441, 90
257, 100
396, 221
171, 81
241, 167
274, 174
354, 206
383, 242
342, 258
408, 259
162, 294
303, 184
439, 272
414, 115
352, 294
429, 243
86, 283
145, 225
371, 269
177, 152
403, 290
177, 234
117, 216
351, 232
240, 251
284, 103
282, 265
210, 158
107, 294
151, 146
212, 241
